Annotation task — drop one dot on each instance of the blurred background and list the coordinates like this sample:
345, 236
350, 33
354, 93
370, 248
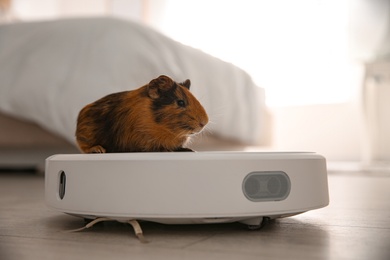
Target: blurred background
324, 65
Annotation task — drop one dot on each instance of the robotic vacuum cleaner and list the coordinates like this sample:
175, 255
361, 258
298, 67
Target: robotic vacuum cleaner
187, 187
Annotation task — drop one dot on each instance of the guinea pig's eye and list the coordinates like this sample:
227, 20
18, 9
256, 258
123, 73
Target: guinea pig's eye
181, 103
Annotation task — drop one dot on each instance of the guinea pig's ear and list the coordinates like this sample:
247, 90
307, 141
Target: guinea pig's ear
186, 84
158, 85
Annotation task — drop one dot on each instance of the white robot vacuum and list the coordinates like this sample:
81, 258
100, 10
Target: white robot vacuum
187, 188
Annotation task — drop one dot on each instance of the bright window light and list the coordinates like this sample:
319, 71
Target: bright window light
297, 50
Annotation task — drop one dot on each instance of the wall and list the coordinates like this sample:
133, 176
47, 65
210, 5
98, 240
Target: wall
51, 9
333, 130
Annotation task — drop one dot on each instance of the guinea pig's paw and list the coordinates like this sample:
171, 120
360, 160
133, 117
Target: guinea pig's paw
97, 149
184, 149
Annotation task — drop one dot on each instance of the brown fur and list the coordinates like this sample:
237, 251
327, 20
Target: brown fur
151, 118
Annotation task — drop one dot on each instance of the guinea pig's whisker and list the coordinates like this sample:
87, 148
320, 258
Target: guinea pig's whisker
211, 122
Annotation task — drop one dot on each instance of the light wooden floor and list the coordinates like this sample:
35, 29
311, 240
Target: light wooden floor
356, 225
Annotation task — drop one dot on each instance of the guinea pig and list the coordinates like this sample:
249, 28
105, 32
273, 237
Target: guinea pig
157, 117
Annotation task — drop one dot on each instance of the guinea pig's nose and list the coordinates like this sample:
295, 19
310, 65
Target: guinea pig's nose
202, 123
201, 126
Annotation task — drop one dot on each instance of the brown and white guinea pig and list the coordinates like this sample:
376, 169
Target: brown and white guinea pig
157, 117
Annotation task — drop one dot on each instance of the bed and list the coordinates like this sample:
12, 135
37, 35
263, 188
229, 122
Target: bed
50, 69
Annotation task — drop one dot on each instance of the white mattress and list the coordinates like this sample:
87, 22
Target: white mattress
50, 70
